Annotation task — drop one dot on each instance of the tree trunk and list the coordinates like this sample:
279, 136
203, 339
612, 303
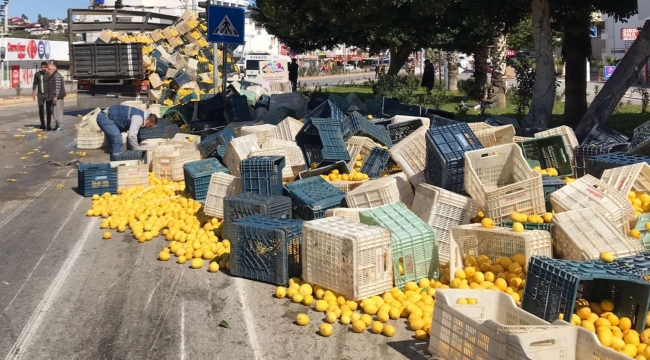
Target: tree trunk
575, 51
500, 53
541, 107
480, 69
398, 56
612, 92
453, 71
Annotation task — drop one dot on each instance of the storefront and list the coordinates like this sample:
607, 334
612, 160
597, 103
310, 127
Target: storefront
23, 58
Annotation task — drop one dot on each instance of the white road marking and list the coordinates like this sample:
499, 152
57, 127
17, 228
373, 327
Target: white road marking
25, 204
69, 172
34, 323
248, 318
76, 205
182, 329
173, 288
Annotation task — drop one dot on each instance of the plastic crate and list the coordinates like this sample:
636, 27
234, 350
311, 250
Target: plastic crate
589, 192
131, 173
266, 249
478, 126
645, 235
637, 265
375, 163
354, 100
477, 331
221, 185
96, 179
87, 140
530, 226
446, 147
262, 175
208, 146
466, 240
553, 286
331, 141
238, 150
550, 152
390, 108
311, 197
373, 106
325, 110
197, 176
582, 153
550, 185
347, 186
88, 122
294, 101
603, 134
442, 210
628, 178
287, 129
410, 155
238, 110
348, 257
519, 139
154, 132
346, 213
569, 137
640, 142
426, 122
494, 136
263, 132
583, 234
139, 155
168, 162
340, 102
400, 130
596, 165
357, 125
341, 166
359, 145
501, 181
438, 121
414, 242
295, 161
246, 204
287, 172
373, 193
406, 194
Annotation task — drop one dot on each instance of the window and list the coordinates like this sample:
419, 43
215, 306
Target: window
252, 65
272, 40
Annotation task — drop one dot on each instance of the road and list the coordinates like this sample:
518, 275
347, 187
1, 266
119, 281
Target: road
67, 294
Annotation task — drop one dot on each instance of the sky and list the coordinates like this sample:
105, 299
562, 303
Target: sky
50, 9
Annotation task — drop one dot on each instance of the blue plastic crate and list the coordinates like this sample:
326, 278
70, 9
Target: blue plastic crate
391, 107
399, 131
445, 159
382, 122
266, 249
246, 204
550, 185
375, 163
528, 132
188, 98
140, 155
640, 143
96, 179
496, 120
582, 153
322, 141
197, 176
437, 121
341, 166
238, 109
604, 134
262, 175
596, 165
326, 110
441, 113
553, 286
635, 265
373, 106
161, 68
357, 125
180, 79
356, 104
339, 101
208, 146
154, 132
276, 116
316, 100
311, 197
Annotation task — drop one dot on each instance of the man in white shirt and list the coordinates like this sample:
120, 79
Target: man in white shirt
120, 118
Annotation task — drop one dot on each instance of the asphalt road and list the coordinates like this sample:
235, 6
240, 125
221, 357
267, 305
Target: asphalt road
67, 294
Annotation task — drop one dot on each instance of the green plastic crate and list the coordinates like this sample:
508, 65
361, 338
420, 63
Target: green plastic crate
550, 152
414, 242
530, 226
645, 235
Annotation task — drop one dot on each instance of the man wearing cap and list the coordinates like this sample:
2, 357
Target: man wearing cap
121, 118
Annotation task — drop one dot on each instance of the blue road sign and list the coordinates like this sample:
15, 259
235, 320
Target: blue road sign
593, 31
609, 70
226, 25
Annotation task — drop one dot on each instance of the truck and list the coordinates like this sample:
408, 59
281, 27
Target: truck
109, 74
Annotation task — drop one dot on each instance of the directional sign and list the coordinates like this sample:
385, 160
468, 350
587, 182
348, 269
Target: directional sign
226, 25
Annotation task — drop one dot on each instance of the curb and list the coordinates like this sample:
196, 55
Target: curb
28, 100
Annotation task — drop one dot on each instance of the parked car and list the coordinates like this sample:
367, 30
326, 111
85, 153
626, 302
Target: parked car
348, 67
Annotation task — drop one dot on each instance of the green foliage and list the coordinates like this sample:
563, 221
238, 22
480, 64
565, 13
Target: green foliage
611, 60
438, 97
522, 94
466, 86
645, 98
396, 86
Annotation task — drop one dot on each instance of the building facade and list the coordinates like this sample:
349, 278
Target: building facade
24, 56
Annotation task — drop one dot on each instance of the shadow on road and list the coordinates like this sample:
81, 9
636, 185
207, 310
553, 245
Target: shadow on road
412, 349
77, 112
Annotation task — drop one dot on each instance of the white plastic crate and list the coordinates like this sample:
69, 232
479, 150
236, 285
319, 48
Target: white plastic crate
346, 213
583, 234
292, 151
347, 257
426, 122
477, 126
156, 109
131, 173
88, 123
359, 145
588, 192
442, 210
519, 139
136, 104
494, 136
373, 193
150, 145
168, 164
570, 139
187, 138
238, 150
221, 185
263, 132
477, 331
561, 342
410, 155
473, 239
287, 171
406, 194
90, 140
287, 129
501, 181
347, 186
629, 178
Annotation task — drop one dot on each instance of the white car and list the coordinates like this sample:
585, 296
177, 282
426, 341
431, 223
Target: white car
348, 67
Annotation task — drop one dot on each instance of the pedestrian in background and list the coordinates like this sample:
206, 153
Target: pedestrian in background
428, 76
56, 95
40, 93
293, 74
121, 118
376, 71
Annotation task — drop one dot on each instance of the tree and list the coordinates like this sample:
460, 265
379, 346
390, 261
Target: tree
612, 92
24, 17
43, 21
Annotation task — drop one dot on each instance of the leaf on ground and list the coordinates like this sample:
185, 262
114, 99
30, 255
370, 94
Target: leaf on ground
224, 324
11, 180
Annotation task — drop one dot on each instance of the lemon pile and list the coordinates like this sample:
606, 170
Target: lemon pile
163, 209
612, 331
415, 303
507, 274
354, 175
639, 201
548, 172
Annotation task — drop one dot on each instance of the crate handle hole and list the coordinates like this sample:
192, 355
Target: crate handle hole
496, 153
549, 342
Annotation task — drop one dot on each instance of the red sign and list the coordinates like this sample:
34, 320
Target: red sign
15, 76
511, 53
30, 49
28, 76
629, 34
283, 50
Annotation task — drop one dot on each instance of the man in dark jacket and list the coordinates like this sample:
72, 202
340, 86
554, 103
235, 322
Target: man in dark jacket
121, 118
56, 95
293, 74
428, 76
40, 92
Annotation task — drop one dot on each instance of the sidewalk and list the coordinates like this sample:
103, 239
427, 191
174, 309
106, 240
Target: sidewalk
28, 100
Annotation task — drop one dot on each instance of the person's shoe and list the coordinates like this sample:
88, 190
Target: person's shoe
42, 127
49, 129
59, 128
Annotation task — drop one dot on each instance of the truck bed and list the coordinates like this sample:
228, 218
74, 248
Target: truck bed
101, 61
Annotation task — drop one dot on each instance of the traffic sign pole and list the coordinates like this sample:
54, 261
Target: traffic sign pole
225, 25
215, 68
224, 67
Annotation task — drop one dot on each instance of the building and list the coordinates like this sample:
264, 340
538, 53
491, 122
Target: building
24, 56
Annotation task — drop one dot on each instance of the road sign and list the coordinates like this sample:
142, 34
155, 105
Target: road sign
226, 25
593, 31
609, 70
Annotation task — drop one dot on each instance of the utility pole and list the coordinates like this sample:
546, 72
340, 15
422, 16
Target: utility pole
4, 67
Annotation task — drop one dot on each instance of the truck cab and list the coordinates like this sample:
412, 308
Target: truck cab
255, 63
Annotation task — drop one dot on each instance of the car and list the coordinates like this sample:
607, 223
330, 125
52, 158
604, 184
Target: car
373, 67
348, 67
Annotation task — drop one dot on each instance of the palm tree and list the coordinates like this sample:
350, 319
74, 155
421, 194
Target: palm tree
599, 67
611, 60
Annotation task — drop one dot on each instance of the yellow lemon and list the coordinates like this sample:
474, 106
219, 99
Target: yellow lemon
607, 305
632, 337
377, 327
358, 326
583, 312
163, 255
518, 227
487, 223
645, 336
369, 117
388, 330
605, 338
326, 330
307, 300
330, 317
460, 274
624, 323
370, 309
417, 324
634, 233
196, 263
302, 319
366, 319
479, 277
355, 316
646, 352
629, 350
606, 256
181, 259
383, 316
213, 267
321, 306
106, 235
280, 292
501, 284
306, 289
297, 298
394, 313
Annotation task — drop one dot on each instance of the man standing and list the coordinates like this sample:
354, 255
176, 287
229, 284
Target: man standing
40, 92
56, 95
120, 118
428, 76
293, 74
